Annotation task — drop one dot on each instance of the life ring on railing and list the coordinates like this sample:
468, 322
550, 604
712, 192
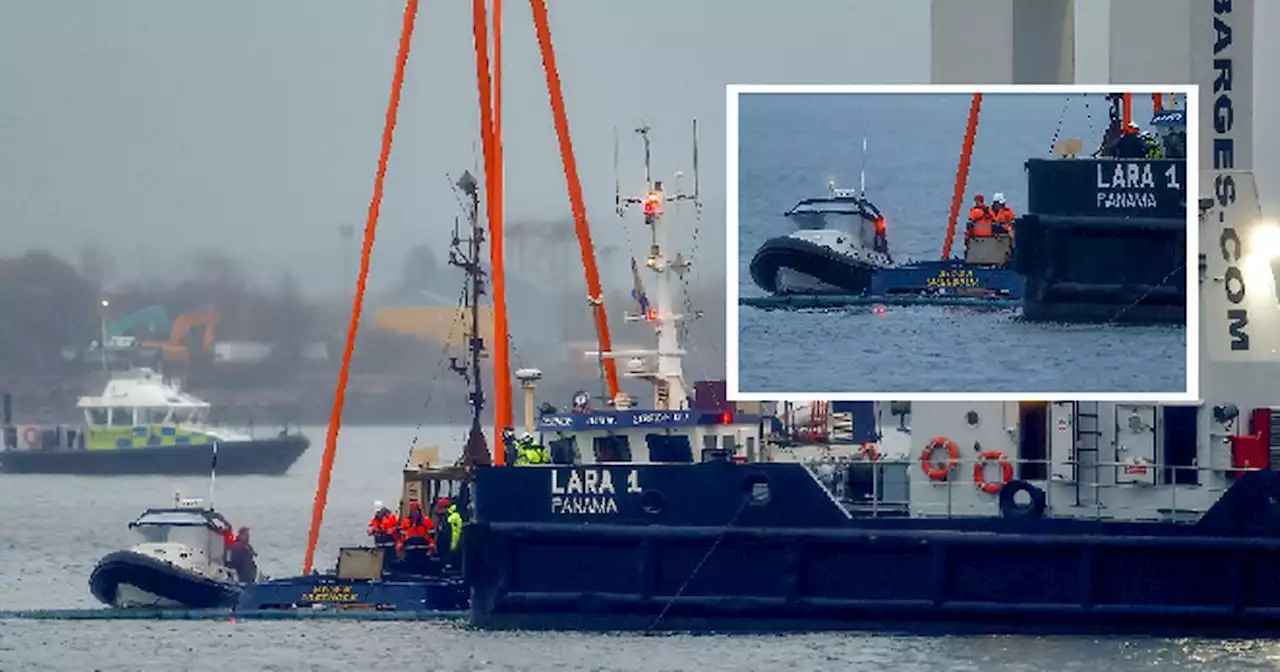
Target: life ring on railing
979, 471
869, 451
939, 472
31, 437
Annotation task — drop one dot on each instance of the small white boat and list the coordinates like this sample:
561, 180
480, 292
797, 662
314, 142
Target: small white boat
181, 562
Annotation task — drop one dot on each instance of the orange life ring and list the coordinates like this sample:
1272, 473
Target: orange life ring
868, 450
979, 471
31, 436
939, 472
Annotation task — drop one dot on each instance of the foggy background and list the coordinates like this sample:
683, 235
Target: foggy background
156, 128
154, 140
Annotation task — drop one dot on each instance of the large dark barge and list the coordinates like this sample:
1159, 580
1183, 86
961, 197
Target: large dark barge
1066, 516
1104, 240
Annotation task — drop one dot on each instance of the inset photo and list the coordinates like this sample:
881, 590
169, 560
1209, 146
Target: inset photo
901, 242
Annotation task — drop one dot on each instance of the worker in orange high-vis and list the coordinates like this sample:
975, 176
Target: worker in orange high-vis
980, 219
881, 243
383, 526
416, 529
1001, 215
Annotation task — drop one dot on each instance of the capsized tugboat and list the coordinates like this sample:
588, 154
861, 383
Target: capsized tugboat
840, 244
1012, 516
181, 562
417, 573
143, 423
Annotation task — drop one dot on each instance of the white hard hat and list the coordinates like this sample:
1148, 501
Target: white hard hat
526, 435
377, 506
1133, 124
998, 198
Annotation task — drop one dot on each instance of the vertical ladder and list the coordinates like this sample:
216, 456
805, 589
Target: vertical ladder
1088, 437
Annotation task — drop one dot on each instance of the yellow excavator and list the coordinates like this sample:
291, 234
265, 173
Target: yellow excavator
178, 346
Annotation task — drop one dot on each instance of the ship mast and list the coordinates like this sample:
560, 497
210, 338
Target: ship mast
670, 390
476, 452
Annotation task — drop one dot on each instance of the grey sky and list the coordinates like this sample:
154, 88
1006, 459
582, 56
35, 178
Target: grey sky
253, 126
157, 126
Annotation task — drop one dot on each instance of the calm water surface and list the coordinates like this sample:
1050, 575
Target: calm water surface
792, 145
55, 528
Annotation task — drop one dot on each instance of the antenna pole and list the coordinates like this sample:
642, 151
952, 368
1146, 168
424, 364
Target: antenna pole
862, 181
476, 451
617, 178
697, 190
213, 473
648, 173
670, 390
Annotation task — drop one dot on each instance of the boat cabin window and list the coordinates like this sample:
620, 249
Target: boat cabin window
181, 528
669, 448
728, 442
563, 451
611, 449
122, 417
709, 442
153, 416
97, 416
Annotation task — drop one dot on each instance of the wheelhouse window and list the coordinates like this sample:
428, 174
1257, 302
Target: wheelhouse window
612, 449
154, 416
122, 417
563, 451
98, 417
669, 448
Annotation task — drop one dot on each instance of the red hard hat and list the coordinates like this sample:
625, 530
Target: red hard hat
444, 503
977, 197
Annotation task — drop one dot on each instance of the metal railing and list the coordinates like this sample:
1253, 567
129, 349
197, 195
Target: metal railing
1099, 490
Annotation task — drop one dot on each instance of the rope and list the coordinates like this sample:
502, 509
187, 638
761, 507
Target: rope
542, 25
723, 533
1058, 130
1135, 302
440, 369
370, 230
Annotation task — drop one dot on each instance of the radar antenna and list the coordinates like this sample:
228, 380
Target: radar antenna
476, 452
666, 373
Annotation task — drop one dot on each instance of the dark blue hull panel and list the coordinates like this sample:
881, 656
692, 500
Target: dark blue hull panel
266, 457
947, 277
707, 556
322, 590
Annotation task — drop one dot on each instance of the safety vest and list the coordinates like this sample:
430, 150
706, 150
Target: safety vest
1153, 148
455, 527
386, 524
531, 453
422, 529
1003, 216
980, 215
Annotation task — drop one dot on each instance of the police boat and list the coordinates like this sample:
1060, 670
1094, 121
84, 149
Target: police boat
181, 562
837, 249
